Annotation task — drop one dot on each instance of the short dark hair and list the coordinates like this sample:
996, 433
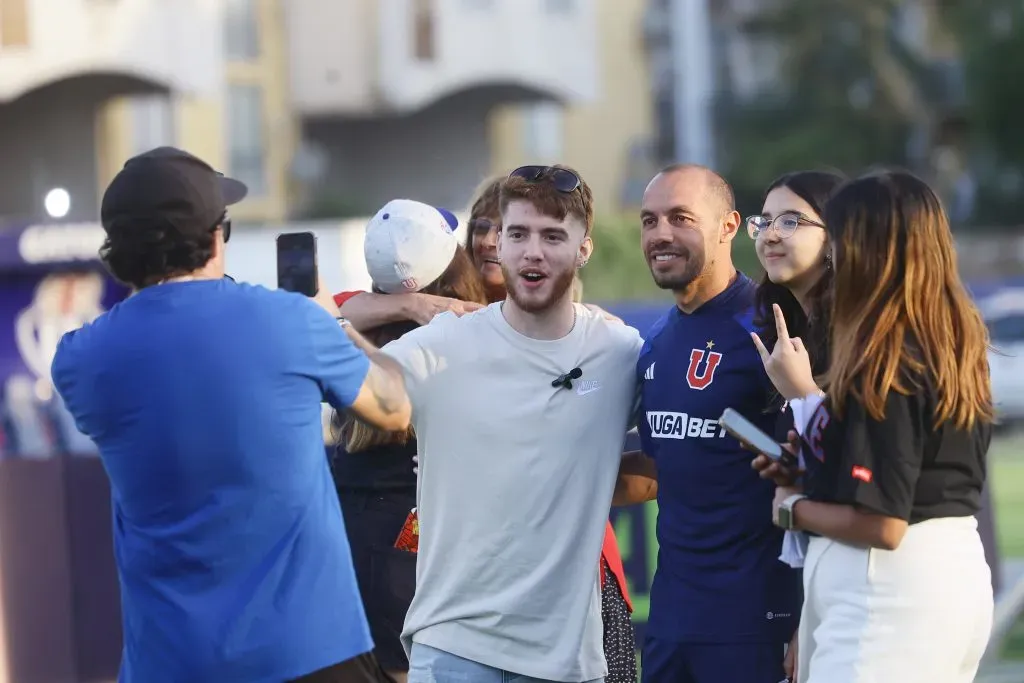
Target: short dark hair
140, 256
542, 193
718, 186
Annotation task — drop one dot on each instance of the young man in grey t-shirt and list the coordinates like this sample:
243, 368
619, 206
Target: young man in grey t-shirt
515, 485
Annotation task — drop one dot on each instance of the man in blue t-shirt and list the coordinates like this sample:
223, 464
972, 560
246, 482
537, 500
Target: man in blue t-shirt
203, 397
723, 606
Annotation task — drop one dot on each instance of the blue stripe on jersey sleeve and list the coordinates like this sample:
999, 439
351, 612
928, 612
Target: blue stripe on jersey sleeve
746, 320
656, 329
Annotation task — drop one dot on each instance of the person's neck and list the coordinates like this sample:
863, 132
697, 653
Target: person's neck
550, 324
801, 291
802, 298
705, 288
204, 273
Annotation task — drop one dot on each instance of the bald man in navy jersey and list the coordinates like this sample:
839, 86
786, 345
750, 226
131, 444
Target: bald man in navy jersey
723, 607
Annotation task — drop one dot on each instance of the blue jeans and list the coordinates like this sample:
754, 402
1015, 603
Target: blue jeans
430, 665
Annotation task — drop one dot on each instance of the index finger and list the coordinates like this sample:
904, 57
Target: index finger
780, 324
761, 350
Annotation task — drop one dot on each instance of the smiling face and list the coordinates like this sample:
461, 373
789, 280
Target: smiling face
484, 245
796, 261
540, 254
681, 228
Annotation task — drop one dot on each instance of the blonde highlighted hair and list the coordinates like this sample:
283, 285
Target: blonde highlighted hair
901, 316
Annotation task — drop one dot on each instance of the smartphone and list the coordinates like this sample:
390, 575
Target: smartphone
747, 433
296, 263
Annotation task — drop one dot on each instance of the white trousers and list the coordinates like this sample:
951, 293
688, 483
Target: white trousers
919, 614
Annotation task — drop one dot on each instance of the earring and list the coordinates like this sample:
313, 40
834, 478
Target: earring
828, 261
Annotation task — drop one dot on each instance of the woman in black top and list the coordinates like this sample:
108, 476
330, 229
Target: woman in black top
895, 578
373, 470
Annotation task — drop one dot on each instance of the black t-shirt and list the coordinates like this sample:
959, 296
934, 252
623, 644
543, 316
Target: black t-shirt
900, 466
376, 470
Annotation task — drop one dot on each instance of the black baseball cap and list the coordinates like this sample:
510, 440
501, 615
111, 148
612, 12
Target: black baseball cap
172, 185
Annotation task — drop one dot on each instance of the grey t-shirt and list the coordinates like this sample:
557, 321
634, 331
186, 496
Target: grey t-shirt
515, 485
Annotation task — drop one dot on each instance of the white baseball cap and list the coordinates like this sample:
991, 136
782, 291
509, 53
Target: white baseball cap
408, 245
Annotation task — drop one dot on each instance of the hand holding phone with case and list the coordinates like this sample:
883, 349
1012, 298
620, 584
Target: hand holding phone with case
748, 434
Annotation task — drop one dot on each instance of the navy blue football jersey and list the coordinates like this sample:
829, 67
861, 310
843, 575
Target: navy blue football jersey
719, 578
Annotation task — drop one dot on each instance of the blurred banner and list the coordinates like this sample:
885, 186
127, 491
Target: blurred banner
59, 596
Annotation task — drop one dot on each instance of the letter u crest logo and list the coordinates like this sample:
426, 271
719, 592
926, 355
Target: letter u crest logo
700, 374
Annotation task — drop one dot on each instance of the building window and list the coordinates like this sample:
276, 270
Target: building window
152, 122
247, 151
241, 30
13, 23
423, 30
542, 137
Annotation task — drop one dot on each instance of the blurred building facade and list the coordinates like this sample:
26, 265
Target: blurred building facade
608, 139
322, 108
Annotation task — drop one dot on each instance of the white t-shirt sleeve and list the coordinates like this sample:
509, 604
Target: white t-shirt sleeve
418, 353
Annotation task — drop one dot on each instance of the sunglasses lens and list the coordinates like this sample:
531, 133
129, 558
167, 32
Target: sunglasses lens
565, 181
530, 173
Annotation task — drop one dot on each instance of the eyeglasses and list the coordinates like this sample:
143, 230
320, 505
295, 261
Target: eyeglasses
785, 224
482, 225
563, 179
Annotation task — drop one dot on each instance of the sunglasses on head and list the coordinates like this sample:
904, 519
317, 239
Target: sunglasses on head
562, 179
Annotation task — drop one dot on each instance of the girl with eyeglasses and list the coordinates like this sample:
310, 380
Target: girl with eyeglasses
792, 246
896, 585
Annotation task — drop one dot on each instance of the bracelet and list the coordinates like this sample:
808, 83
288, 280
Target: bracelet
343, 321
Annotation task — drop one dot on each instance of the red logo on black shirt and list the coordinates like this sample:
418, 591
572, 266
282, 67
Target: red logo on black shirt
862, 473
699, 377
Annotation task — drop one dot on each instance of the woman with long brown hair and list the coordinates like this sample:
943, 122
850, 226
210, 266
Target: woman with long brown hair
895, 579
406, 252
792, 246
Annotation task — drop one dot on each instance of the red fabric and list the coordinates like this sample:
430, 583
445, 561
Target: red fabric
340, 299
610, 554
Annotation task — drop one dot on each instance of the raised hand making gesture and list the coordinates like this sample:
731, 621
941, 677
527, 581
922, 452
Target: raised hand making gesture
788, 365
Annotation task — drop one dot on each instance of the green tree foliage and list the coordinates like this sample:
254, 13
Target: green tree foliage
990, 35
848, 96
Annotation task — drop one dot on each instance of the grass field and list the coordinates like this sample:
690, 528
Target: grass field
1006, 476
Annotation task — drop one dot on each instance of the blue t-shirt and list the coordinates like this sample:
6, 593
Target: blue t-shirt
718, 578
204, 400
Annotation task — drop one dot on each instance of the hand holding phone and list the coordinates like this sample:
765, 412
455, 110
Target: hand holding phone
753, 438
296, 263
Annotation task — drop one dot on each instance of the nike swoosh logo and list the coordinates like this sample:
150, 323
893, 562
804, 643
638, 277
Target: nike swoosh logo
584, 392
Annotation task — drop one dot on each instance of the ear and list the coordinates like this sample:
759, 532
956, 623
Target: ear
730, 226
586, 250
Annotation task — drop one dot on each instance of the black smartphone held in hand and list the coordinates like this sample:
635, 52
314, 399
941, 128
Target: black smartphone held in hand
748, 434
296, 263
